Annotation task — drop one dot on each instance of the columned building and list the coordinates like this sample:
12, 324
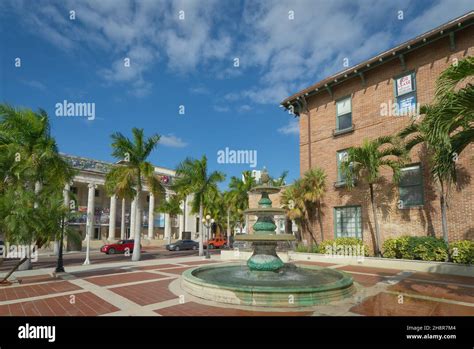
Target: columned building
113, 217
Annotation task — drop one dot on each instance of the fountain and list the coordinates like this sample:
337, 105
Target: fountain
265, 280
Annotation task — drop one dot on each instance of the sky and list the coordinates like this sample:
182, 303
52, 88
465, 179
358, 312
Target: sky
225, 63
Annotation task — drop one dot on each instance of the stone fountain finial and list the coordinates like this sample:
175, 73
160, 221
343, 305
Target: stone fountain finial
265, 178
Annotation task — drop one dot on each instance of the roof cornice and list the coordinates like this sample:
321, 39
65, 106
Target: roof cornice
398, 52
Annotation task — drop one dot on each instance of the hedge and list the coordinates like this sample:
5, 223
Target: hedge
462, 251
428, 248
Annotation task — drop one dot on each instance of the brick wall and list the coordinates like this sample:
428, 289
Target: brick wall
427, 62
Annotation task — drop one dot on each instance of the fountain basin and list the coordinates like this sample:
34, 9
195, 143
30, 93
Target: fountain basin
289, 287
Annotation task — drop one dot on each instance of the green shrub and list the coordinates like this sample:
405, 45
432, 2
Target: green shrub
426, 248
323, 246
429, 248
462, 251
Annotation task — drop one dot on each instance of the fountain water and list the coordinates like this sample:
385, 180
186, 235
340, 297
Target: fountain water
266, 280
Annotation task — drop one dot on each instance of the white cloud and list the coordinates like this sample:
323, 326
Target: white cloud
285, 55
199, 90
148, 32
244, 108
170, 140
221, 109
35, 84
292, 128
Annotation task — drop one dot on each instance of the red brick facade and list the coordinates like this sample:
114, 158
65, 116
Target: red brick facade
427, 63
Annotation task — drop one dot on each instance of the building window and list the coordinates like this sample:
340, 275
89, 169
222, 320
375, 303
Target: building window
341, 156
348, 222
411, 186
197, 225
96, 193
405, 94
344, 114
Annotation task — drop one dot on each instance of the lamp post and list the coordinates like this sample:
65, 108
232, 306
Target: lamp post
208, 223
60, 265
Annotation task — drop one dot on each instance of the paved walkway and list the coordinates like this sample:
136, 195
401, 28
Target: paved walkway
152, 288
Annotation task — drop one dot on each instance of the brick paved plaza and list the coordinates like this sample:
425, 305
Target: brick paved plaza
152, 288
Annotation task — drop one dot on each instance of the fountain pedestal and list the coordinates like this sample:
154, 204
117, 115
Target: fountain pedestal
265, 280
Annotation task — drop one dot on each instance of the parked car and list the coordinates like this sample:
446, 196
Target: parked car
215, 243
120, 246
181, 245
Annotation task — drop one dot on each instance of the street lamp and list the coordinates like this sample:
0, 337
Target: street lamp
208, 223
60, 264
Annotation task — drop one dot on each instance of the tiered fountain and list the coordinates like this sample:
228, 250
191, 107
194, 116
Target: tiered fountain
266, 280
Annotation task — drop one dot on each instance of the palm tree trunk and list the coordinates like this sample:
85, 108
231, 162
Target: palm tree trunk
320, 221
228, 226
201, 232
376, 221
444, 220
22, 261
28, 265
137, 239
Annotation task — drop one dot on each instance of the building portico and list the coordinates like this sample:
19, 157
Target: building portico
110, 218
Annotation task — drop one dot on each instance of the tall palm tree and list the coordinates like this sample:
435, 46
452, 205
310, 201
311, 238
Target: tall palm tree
443, 168
127, 179
364, 163
192, 177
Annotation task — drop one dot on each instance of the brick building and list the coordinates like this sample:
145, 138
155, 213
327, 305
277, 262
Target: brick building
342, 110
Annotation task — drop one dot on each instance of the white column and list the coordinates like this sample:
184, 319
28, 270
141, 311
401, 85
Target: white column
90, 219
151, 215
112, 215
133, 213
122, 221
167, 223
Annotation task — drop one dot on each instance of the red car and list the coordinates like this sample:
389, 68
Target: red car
217, 242
120, 246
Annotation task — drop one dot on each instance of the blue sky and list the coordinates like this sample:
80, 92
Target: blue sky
190, 62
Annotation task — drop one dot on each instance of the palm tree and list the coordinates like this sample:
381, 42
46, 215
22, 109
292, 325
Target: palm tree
303, 201
451, 116
315, 187
30, 163
192, 177
239, 193
126, 180
172, 206
443, 168
365, 163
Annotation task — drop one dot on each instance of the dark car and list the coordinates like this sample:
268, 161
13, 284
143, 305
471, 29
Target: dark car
181, 245
120, 246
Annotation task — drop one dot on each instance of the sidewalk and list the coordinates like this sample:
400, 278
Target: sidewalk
152, 288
